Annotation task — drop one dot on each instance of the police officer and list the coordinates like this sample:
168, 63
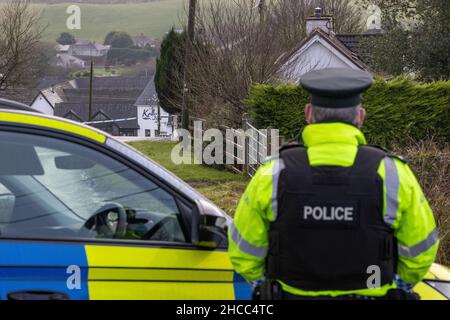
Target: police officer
334, 218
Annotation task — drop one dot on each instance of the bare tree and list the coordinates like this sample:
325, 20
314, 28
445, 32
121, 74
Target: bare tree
20, 33
347, 15
241, 42
237, 44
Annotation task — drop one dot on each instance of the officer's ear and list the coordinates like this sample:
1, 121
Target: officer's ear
361, 116
309, 114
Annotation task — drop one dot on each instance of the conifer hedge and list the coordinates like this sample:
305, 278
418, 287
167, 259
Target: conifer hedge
397, 110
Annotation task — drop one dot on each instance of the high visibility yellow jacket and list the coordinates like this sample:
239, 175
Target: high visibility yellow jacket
405, 209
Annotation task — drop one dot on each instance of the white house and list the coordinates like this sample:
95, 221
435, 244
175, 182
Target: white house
321, 49
47, 99
147, 113
88, 49
62, 48
68, 61
142, 40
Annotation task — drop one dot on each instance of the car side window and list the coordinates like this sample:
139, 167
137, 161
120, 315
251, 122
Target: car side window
52, 188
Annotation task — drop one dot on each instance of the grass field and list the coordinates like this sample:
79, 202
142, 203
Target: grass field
222, 187
152, 18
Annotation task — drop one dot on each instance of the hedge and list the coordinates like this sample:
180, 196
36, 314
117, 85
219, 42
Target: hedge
123, 54
397, 110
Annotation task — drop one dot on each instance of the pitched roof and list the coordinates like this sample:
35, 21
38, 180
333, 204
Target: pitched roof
62, 47
143, 40
141, 90
102, 95
352, 41
50, 81
67, 58
137, 83
332, 41
148, 95
100, 46
83, 45
86, 46
55, 93
111, 110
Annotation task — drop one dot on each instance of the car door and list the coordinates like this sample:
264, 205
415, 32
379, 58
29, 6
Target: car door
79, 221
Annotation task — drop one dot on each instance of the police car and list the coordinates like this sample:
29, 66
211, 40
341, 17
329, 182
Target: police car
84, 216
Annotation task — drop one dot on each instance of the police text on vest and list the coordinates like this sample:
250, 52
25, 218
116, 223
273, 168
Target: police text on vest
330, 213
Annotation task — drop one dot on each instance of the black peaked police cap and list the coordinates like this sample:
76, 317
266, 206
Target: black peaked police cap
336, 88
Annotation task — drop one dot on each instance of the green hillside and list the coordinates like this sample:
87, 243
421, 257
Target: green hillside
152, 19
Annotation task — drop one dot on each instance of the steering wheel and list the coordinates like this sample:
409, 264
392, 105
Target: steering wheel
165, 236
109, 221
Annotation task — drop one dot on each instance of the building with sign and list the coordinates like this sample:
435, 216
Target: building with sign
122, 106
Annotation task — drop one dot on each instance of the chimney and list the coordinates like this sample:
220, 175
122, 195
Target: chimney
319, 21
318, 12
374, 21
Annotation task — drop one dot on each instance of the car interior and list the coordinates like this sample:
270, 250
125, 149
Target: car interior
32, 204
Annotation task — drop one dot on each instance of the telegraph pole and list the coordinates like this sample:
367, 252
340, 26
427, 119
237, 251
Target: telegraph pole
159, 117
262, 10
187, 64
91, 80
333, 13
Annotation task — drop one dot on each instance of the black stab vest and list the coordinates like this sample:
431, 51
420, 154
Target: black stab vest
330, 230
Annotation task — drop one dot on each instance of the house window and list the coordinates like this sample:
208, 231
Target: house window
148, 133
128, 133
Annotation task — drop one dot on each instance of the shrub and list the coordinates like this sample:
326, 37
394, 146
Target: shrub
279, 106
118, 39
66, 38
430, 162
128, 55
397, 110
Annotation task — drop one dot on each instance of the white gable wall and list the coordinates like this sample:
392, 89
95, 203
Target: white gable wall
41, 104
148, 121
316, 54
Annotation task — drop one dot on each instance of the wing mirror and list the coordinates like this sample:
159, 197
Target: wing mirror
209, 226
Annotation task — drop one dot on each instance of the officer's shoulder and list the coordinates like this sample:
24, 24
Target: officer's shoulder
284, 148
389, 153
291, 146
399, 158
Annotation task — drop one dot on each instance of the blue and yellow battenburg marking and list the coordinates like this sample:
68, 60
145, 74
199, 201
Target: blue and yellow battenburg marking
113, 272
43, 267
117, 272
